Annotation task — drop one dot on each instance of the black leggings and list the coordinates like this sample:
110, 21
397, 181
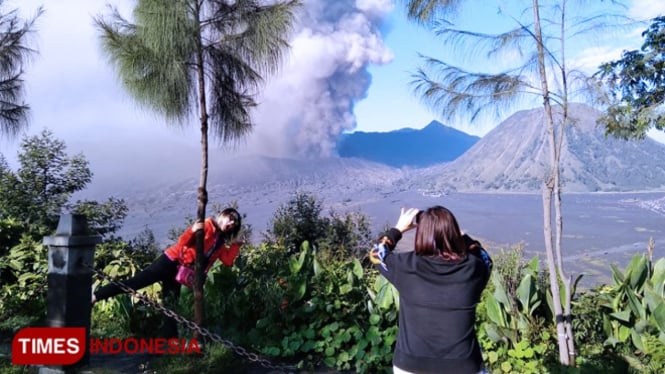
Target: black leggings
162, 269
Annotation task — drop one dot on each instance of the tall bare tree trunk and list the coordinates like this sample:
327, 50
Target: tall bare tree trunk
549, 188
199, 301
566, 279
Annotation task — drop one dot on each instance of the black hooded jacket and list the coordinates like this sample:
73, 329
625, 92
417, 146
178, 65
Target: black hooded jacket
437, 301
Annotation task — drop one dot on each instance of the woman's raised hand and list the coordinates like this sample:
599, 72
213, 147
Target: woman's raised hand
405, 221
198, 225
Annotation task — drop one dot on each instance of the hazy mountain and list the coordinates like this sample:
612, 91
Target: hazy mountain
258, 183
432, 145
511, 158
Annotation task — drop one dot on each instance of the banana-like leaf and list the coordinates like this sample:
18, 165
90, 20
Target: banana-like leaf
641, 326
658, 316
295, 265
300, 288
623, 315
658, 277
495, 313
635, 305
522, 322
316, 265
550, 302
617, 275
499, 291
357, 269
637, 340
387, 296
379, 283
493, 333
652, 299
624, 333
639, 272
534, 306
525, 291
607, 325
534, 265
617, 302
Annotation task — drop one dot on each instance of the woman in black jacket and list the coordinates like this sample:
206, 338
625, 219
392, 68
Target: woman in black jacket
439, 284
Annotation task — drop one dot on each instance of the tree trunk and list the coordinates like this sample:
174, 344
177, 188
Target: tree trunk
199, 301
566, 279
549, 188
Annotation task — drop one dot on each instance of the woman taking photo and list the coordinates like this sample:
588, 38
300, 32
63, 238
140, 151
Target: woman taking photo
439, 284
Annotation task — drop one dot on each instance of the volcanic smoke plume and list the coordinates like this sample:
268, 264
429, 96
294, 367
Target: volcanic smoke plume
304, 110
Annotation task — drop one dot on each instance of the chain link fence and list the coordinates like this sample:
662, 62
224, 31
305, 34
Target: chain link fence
240, 351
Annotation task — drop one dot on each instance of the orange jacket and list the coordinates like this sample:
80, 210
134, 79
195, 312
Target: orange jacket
184, 251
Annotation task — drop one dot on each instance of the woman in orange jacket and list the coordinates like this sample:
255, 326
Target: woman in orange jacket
218, 233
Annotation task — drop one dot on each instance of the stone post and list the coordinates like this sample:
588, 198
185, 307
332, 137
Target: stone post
69, 282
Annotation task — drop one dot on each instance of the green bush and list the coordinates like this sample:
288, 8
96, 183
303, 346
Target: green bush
514, 323
337, 235
23, 270
314, 311
124, 315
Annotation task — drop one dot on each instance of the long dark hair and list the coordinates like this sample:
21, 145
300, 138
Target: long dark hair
438, 234
237, 222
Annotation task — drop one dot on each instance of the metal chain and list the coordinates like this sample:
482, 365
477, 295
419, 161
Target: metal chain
240, 351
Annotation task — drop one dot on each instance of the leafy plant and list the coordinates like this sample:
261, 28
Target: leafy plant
124, 314
23, 272
636, 305
300, 219
513, 330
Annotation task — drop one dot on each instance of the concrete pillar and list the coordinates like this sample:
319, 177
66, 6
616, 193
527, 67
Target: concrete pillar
69, 282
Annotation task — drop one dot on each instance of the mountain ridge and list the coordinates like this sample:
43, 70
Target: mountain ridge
407, 147
512, 158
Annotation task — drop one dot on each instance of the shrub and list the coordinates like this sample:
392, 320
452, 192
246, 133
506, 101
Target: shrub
300, 220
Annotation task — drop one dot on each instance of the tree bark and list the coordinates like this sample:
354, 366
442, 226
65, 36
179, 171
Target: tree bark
549, 188
566, 279
199, 300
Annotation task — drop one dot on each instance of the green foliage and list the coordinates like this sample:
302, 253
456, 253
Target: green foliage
210, 56
103, 218
588, 322
515, 327
635, 305
158, 56
322, 304
300, 219
23, 272
124, 315
316, 310
44, 181
347, 235
296, 221
15, 52
30, 201
637, 87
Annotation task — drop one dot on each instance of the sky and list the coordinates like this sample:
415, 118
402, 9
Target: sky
349, 69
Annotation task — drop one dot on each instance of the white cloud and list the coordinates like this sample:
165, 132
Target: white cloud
646, 9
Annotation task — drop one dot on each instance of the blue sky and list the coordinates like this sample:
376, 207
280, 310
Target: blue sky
392, 105
74, 92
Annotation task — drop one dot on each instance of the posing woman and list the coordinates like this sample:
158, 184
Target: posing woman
439, 285
217, 233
